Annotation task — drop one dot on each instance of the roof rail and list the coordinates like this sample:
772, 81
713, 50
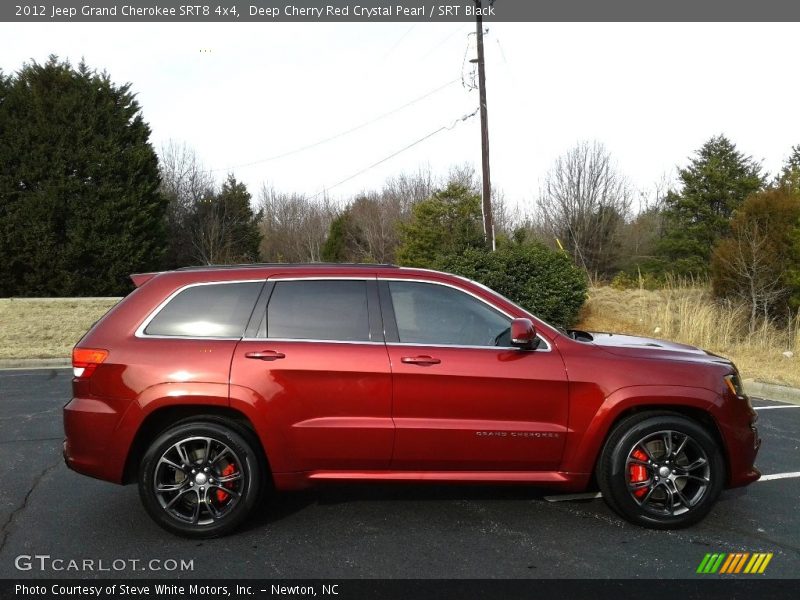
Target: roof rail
280, 265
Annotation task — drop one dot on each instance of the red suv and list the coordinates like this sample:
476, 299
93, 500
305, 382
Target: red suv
209, 386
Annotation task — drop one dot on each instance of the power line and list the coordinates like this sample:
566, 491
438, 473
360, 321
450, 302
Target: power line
340, 134
391, 156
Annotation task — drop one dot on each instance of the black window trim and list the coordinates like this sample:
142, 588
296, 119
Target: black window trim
140, 331
390, 321
376, 336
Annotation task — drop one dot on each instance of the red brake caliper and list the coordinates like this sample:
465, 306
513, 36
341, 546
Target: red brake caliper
228, 470
637, 473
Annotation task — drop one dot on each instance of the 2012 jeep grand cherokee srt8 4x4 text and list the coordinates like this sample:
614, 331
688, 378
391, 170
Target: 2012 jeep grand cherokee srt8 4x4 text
210, 386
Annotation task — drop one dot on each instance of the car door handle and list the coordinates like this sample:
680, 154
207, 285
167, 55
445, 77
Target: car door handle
265, 355
420, 360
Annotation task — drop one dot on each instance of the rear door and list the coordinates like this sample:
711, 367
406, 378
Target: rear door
319, 360
463, 399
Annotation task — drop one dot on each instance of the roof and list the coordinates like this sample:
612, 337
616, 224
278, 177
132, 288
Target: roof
288, 265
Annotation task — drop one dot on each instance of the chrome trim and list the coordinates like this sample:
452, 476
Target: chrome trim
266, 340
139, 333
323, 278
490, 305
140, 330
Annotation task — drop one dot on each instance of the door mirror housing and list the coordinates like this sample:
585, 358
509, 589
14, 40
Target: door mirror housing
523, 334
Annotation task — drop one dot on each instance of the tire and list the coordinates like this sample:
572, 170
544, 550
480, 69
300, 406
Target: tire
201, 478
661, 470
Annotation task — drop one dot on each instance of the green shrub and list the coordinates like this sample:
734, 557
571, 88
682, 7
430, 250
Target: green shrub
626, 281
542, 281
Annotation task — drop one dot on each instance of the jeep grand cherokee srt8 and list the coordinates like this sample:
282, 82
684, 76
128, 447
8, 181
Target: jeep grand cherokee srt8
208, 386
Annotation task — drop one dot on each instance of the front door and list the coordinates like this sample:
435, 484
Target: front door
463, 399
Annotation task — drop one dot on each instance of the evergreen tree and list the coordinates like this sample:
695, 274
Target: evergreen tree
446, 224
224, 227
715, 184
79, 203
789, 176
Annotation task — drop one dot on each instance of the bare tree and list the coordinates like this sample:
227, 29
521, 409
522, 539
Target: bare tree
746, 267
294, 227
185, 183
583, 203
407, 189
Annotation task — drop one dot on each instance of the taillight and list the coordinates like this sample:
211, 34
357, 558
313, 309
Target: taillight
85, 361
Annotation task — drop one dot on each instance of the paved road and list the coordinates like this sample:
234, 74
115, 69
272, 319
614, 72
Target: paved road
384, 531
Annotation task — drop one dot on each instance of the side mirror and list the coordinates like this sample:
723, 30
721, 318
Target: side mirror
523, 334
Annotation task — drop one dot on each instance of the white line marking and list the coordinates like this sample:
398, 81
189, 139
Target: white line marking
566, 497
780, 476
593, 495
771, 407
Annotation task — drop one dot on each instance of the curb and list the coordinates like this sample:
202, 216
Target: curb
35, 363
770, 391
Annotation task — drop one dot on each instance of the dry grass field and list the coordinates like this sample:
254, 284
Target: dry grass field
689, 315
48, 328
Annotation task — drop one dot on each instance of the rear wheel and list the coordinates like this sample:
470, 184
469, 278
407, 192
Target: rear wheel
200, 479
661, 470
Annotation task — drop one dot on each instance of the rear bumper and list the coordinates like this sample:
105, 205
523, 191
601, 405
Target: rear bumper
90, 425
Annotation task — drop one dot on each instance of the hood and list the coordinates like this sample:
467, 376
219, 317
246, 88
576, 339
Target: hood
644, 347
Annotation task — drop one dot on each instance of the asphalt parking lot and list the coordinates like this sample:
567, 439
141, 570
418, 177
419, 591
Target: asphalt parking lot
408, 531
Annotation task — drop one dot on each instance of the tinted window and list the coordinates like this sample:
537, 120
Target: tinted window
435, 314
215, 310
319, 310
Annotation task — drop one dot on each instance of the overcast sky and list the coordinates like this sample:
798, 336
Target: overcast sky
240, 93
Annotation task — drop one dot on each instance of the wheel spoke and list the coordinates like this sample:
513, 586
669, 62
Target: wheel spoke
680, 446
182, 453
646, 498
638, 485
165, 461
667, 438
177, 496
646, 450
167, 488
196, 511
228, 478
207, 458
225, 451
670, 499
636, 461
700, 462
684, 500
233, 493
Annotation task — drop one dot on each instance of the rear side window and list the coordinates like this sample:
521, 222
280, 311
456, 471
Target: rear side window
214, 310
333, 310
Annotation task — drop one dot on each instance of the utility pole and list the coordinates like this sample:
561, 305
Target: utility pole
488, 224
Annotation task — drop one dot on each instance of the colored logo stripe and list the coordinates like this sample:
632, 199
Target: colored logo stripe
736, 562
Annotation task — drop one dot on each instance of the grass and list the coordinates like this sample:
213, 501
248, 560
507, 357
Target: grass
46, 327
690, 315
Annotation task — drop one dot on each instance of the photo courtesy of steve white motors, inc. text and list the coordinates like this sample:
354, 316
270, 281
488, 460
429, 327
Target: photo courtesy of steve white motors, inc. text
170, 589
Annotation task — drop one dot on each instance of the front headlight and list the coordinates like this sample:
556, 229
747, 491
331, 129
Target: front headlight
734, 384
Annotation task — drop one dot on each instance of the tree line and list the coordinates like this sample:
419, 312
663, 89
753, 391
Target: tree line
85, 200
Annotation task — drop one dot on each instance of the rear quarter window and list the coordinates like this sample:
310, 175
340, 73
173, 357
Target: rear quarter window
207, 310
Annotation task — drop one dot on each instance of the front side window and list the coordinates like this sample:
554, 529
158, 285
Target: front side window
214, 310
333, 310
427, 313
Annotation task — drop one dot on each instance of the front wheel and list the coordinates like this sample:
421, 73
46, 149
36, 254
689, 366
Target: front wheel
661, 470
200, 479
